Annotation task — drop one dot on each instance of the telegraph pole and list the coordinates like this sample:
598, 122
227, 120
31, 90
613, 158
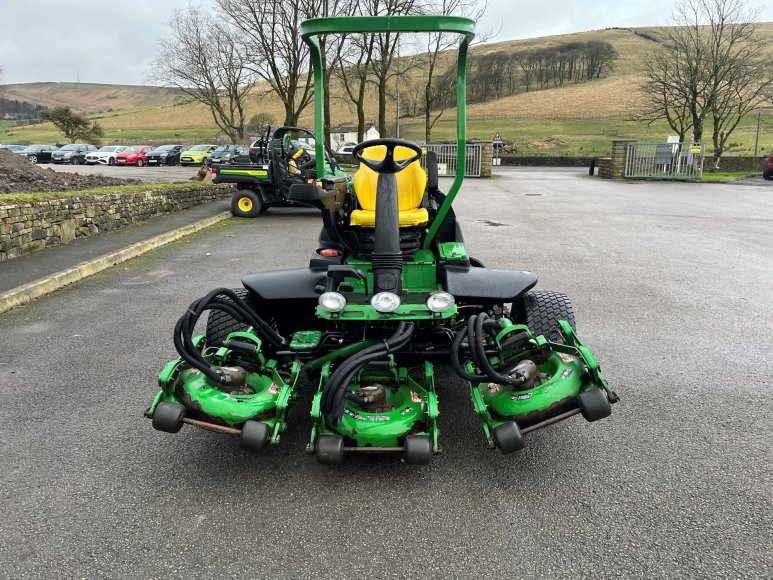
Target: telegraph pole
757, 138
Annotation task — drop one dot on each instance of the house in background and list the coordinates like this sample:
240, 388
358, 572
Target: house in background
343, 135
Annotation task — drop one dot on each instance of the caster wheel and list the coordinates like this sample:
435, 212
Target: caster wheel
330, 449
418, 450
508, 437
168, 417
255, 435
594, 404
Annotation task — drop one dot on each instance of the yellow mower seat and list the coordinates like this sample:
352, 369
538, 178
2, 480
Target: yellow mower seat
411, 184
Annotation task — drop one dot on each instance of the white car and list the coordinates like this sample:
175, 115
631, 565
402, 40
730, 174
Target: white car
105, 155
346, 149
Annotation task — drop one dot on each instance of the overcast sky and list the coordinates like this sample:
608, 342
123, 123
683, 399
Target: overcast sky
110, 41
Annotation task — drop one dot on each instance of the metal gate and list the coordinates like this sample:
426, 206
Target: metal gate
664, 160
446, 159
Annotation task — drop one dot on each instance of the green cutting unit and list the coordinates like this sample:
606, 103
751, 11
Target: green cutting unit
389, 294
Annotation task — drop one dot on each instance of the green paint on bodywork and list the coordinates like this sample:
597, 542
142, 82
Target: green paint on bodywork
572, 369
344, 352
261, 174
413, 310
452, 251
305, 340
419, 280
268, 402
415, 410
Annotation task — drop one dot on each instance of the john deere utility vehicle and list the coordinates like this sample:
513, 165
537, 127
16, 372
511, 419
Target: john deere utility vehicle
279, 163
389, 293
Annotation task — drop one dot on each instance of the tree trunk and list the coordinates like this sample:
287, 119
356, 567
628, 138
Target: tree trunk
382, 96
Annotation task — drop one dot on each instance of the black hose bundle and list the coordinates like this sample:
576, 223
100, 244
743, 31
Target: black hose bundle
226, 301
335, 392
478, 326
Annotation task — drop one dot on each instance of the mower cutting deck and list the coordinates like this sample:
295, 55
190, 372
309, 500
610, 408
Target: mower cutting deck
389, 293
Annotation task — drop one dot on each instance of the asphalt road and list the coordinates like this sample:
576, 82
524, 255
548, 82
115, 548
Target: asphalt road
672, 285
147, 174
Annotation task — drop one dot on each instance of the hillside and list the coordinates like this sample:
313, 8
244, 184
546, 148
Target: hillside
578, 118
89, 97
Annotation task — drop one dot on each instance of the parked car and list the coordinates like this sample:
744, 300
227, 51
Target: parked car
37, 153
768, 173
346, 149
74, 153
105, 155
13, 148
226, 153
134, 156
164, 155
196, 154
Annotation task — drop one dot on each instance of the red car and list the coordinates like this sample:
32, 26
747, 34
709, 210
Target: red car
134, 156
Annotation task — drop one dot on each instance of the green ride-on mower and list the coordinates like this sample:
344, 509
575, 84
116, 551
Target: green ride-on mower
389, 293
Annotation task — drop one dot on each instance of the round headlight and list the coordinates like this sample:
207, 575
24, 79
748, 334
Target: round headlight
385, 302
332, 301
440, 301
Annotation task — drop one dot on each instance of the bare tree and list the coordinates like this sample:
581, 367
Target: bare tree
710, 66
385, 48
205, 60
437, 43
354, 61
274, 49
664, 96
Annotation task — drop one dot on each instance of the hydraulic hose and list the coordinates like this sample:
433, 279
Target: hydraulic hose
335, 391
226, 301
476, 330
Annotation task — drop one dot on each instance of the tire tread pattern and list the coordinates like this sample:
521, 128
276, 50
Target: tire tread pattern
544, 309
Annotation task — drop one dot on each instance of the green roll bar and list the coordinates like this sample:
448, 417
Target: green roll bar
312, 29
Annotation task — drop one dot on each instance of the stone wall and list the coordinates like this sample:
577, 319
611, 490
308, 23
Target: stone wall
605, 167
27, 227
736, 164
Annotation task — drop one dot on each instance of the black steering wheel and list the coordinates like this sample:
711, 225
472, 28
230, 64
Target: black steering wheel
388, 164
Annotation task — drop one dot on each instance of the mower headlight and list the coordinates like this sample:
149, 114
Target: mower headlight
385, 302
440, 301
332, 301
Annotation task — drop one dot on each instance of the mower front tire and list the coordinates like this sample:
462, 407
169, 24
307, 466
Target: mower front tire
246, 203
255, 435
508, 437
168, 417
330, 449
594, 404
544, 309
417, 450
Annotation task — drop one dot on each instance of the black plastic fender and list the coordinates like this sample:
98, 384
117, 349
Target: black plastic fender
295, 284
487, 285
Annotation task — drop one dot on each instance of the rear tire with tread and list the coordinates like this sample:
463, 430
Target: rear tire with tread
220, 324
544, 309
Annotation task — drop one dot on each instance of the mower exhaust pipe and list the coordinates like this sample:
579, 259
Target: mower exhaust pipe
387, 256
